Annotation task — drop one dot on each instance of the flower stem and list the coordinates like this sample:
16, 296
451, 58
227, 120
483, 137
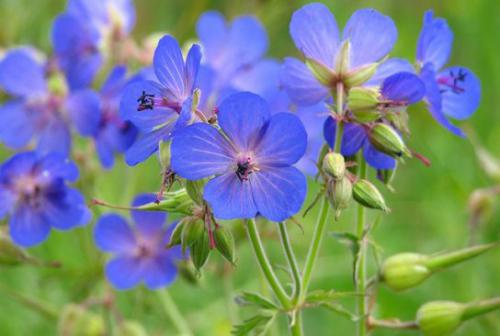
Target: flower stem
265, 265
312, 255
482, 307
361, 261
296, 328
174, 314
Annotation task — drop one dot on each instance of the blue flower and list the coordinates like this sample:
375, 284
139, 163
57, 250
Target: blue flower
35, 196
159, 109
80, 33
41, 106
396, 92
140, 253
252, 161
315, 33
452, 92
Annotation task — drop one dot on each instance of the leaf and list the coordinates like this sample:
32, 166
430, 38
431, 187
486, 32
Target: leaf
348, 239
250, 298
323, 296
257, 324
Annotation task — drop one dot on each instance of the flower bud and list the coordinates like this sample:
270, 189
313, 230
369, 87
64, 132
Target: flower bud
339, 194
224, 242
11, 254
174, 201
192, 231
195, 190
440, 318
130, 328
321, 72
404, 270
334, 165
76, 320
363, 103
200, 250
387, 140
360, 75
176, 236
366, 194
481, 203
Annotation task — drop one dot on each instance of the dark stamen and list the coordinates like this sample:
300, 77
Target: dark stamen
146, 101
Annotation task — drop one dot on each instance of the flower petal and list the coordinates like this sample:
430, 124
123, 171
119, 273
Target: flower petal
21, 74
315, 33
159, 272
115, 81
54, 165
242, 116
65, 208
113, 234
248, 40
55, 137
460, 101
16, 124
352, 139
212, 30
301, 86
376, 159
169, 67
7, 201
193, 60
149, 223
27, 227
125, 272
279, 192
146, 145
434, 42
19, 164
403, 87
200, 151
84, 108
230, 198
284, 141
372, 36
388, 68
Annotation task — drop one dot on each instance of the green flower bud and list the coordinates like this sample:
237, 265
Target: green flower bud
404, 270
363, 103
11, 254
174, 201
224, 242
77, 321
360, 75
195, 190
130, 328
192, 231
387, 140
200, 250
339, 194
334, 165
440, 318
176, 236
321, 72
366, 194
343, 61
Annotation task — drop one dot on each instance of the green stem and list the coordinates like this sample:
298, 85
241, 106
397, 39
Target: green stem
174, 314
361, 261
292, 261
312, 255
265, 265
35, 305
296, 328
481, 307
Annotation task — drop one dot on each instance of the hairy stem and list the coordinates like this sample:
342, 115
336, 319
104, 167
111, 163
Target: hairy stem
361, 261
174, 314
265, 265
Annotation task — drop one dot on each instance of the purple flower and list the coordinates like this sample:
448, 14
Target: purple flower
159, 109
452, 92
35, 196
252, 161
140, 253
315, 33
41, 107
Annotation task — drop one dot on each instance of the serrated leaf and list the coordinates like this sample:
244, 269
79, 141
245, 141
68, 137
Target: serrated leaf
257, 325
250, 298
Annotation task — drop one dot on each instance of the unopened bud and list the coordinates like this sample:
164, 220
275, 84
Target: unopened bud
384, 138
200, 250
192, 231
481, 203
195, 190
224, 242
130, 328
176, 236
334, 165
440, 318
11, 254
76, 320
339, 194
321, 72
174, 201
343, 59
366, 194
404, 270
360, 75
363, 99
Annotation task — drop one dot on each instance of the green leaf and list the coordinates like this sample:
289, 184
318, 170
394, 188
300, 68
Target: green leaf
250, 298
257, 325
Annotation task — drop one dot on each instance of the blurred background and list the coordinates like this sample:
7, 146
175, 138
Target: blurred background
429, 207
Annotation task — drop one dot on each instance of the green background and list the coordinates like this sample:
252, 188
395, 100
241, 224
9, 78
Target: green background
429, 208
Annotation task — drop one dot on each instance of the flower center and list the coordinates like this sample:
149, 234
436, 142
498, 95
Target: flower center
148, 101
29, 190
244, 167
144, 251
452, 82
